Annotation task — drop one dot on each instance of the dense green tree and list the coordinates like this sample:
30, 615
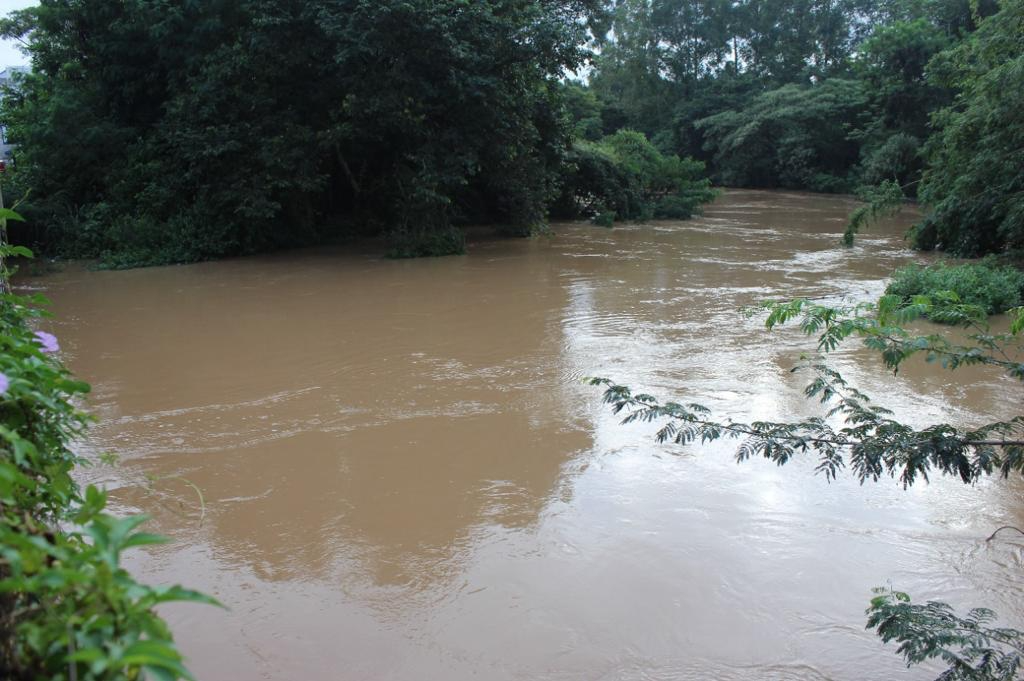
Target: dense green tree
668, 65
278, 122
794, 137
583, 111
624, 177
892, 65
974, 183
628, 76
180, 130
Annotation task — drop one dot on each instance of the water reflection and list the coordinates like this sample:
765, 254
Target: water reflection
404, 477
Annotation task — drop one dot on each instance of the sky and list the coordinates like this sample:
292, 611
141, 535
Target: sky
9, 54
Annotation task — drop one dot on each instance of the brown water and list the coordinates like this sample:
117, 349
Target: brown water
405, 479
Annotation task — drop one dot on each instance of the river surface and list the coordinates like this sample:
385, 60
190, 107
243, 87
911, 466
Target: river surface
403, 476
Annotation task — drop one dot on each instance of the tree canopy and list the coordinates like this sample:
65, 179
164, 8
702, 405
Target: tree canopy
171, 131
182, 130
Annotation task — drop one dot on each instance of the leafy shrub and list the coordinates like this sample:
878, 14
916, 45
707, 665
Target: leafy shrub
674, 208
898, 159
992, 287
593, 181
626, 175
430, 244
68, 610
605, 218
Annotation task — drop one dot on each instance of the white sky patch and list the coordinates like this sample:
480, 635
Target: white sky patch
10, 54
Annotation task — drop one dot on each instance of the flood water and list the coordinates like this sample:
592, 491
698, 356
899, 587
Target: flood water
403, 476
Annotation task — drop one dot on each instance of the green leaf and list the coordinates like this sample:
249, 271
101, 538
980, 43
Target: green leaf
144, 539
8, 214
158, 654
180, 594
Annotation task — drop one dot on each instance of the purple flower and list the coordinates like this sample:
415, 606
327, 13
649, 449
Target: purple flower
48, 341
5, 383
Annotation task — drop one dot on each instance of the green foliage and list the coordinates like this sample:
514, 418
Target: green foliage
625, 175
432, 114
881, 201
286, 123
671, 65
897, 159
793, 137
68, 610
892, 62
584, 112
992, 287
594, 183
877, 444
675, 207
974, 183
971, 649
433, 243
605, 219
829, 96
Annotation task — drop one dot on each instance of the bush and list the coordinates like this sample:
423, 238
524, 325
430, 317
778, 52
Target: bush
898, 159
674, 208
992, 287
604, 218
68, 610
430, 244
626, 175
593, 181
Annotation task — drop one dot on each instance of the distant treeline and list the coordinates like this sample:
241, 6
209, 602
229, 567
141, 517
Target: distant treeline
169, 130
830, 95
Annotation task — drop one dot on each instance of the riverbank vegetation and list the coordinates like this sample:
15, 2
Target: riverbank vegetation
987, 285
154, 132
68, 609
624, 177
169, 132
159, 132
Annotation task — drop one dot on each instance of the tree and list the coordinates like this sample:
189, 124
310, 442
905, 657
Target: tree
793, 137
288, 122
728, 83
625, 177
974, 182
892, 64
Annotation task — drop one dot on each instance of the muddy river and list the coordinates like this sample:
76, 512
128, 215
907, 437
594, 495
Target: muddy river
401, 475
